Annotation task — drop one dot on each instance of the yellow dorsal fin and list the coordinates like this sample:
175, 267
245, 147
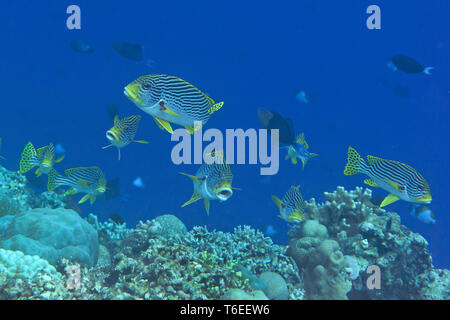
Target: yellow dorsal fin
40, 152
301, 140
372, 160
388, 200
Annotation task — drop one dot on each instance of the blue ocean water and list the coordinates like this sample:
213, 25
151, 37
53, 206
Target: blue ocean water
250, 55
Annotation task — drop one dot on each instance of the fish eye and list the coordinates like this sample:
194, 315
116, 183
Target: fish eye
146, 86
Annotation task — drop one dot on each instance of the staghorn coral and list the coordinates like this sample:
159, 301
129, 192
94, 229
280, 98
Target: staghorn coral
198, 266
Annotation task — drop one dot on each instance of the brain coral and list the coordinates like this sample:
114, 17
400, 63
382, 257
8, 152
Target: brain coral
51, 234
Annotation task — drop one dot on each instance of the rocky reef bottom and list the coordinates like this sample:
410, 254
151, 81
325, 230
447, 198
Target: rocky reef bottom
345, 248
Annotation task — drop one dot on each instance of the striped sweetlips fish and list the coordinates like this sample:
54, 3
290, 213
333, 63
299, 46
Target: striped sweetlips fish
123, 132
169, 99
400, 180
43, 158
292, 205
212, 182
89, 180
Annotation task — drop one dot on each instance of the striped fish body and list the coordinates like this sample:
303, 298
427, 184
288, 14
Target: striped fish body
46, 157
292, 205
400, 180
89, 180
211, 182
171, 99
124, 131
215, 183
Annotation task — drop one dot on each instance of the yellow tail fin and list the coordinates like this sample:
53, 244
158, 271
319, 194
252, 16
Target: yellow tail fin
354, 162
28, 159
51, 184
215, 107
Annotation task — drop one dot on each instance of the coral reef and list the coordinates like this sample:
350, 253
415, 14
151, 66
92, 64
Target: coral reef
360, 234
47, 251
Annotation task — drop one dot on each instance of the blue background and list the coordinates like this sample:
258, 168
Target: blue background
250, 55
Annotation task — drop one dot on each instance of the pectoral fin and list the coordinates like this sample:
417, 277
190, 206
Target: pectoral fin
396, 186
163, 125
38, 172
140, 141
190, 129
388, 200
164, 108
207, 206
84, 199
60, 159
193, 198
194, 178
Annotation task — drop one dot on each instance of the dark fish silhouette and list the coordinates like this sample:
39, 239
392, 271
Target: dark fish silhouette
81, 46
116, 218
408, 65
132, 51
112, 189
272, 120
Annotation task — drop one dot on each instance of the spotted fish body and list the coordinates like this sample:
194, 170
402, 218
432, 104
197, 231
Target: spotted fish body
43, 158
300, 151
292, 205
400, 180
123, 132
89, 180
212, 182
169, 99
